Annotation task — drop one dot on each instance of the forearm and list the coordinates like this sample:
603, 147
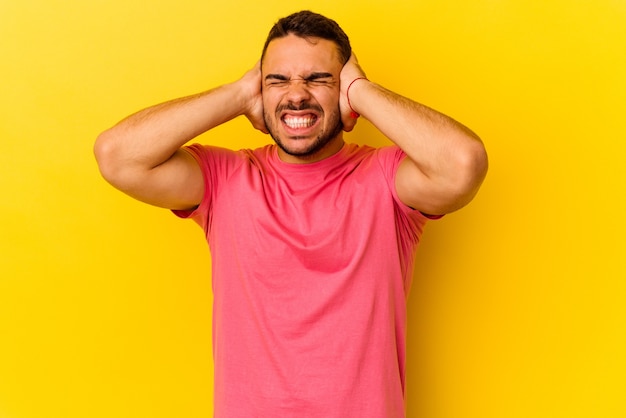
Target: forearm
151, 136
435, 142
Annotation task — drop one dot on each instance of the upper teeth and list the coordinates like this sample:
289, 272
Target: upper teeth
299, 122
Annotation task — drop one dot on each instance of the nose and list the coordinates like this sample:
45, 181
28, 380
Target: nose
298, 91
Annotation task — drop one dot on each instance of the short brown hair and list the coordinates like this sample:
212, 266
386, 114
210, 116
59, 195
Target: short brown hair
307, 24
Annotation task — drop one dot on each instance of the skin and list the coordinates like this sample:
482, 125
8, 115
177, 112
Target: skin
300, 81
298, 78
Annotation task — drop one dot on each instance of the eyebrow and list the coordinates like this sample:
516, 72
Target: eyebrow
276, 77
315, 76
311, 77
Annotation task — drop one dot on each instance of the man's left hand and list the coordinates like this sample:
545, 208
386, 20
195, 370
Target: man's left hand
350, 72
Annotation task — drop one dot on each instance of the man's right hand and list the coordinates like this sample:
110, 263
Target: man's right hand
251, 84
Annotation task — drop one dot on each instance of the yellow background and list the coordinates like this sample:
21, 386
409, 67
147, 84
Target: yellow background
518, 303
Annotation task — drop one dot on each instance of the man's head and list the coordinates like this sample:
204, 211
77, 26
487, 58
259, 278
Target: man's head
306, 24
300, 68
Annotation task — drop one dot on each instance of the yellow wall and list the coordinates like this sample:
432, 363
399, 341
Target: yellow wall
517, 308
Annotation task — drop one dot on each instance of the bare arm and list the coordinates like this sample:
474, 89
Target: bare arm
142, 155
446, 161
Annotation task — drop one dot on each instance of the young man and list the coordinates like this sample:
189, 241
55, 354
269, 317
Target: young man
312, 239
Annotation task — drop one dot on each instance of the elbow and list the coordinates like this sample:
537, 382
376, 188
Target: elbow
107, 157
466, 172
477, 163
473, 165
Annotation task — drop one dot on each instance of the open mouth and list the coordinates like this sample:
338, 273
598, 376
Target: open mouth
299, 122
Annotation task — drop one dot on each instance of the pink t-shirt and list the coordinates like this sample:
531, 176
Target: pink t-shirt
311, 268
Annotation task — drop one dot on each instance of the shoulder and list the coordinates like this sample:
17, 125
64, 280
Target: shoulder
215, 157
384, 160
389, 153
211, 152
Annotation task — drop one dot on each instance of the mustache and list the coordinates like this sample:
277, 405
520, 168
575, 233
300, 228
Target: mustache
301, 106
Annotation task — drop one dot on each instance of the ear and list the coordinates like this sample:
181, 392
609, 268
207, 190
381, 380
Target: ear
349, 120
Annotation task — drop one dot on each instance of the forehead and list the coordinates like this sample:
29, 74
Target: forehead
292, 55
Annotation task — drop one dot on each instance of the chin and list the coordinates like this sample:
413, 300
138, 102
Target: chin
300, 150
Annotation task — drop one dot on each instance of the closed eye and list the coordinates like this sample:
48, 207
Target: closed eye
276, 80
314, 79
320, 82
320, 79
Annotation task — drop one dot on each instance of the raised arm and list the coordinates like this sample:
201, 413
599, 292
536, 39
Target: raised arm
142, 154
446, 161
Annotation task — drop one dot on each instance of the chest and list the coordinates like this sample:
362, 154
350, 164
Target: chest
302, 221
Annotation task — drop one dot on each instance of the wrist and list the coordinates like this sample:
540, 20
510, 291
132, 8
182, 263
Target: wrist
353, 112
237, 98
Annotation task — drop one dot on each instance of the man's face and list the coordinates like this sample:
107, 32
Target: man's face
300, 90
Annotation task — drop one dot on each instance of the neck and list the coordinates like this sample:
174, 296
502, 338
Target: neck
330, 149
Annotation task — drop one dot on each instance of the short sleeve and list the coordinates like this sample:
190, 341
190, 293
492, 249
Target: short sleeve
216, 164
390, 159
